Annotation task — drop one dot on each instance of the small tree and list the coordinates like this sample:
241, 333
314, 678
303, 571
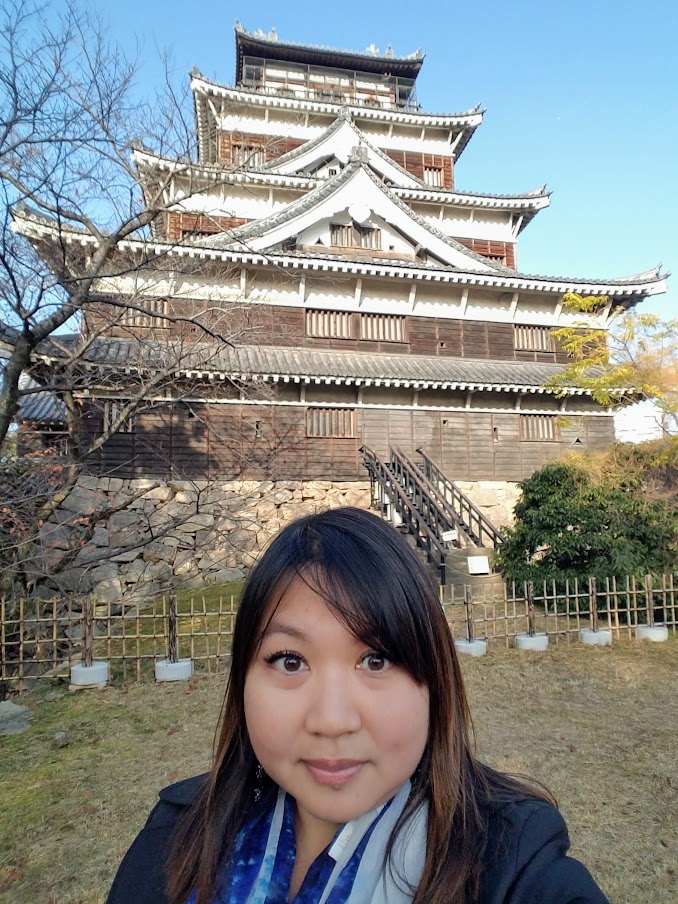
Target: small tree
568, 526
639, 352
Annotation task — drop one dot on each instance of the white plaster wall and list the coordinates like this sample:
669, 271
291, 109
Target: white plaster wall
638, 423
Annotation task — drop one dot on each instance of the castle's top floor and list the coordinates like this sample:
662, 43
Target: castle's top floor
381, 81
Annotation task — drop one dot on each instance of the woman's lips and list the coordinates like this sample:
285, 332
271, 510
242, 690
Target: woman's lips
333, 772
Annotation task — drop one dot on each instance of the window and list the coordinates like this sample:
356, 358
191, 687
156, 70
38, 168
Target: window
355, 236
112, 411
382, 328
542, 428
153, 313
533, 338
247, 155
328, 324
326, 422
252, 73
433, 175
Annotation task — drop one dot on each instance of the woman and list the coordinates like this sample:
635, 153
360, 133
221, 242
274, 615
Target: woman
344, 770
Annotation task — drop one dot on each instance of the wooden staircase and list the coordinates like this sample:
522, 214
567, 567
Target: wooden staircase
445, 528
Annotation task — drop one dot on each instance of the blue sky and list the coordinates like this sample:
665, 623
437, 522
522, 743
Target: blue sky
580, 95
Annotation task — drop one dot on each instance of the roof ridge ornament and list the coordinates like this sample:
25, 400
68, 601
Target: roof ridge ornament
359, 154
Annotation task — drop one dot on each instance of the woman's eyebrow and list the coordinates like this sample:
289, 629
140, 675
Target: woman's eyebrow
278, 627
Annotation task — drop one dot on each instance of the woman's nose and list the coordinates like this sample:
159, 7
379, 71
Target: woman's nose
333, 708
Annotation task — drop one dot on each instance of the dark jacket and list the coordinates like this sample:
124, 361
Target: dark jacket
526, 861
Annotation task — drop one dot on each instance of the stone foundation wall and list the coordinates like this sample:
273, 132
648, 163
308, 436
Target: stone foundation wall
190, 533
495, 498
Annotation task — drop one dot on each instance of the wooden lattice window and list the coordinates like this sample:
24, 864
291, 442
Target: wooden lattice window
328, 324
151, 313
247, 155
539, 428
382, 327
433, 175
112, 411
330, 422
533, 338
355, 236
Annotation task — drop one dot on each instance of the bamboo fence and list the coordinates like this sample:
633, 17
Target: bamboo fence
42, 639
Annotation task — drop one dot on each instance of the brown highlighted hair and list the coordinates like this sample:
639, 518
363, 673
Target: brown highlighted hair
376, 585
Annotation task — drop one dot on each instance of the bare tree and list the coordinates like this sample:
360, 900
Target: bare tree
76, 221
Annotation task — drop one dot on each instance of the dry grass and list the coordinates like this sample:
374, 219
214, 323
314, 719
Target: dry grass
597, 725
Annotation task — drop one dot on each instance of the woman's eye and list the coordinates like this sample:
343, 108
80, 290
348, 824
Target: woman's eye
375, 662
289, 663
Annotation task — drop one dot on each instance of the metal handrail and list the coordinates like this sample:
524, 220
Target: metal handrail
475, 522
440, 514
383, 477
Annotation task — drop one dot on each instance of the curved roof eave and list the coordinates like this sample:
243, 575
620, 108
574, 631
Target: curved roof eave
629, 289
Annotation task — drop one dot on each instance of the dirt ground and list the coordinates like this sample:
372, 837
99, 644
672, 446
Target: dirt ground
598, 726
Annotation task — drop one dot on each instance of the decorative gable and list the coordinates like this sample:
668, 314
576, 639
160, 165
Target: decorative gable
332, 150
355, 210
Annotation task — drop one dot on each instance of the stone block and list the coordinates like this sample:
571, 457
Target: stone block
228, 575
265, 509
108, 591
128, 555
82, 501
121, 520
281, 496
104, 572
176, 509
195, 522
158, 552
73, 580
115, 484
133, 572
89, 554
159, 494
184, 498
99, 537
88, 482
214, 558
141, 484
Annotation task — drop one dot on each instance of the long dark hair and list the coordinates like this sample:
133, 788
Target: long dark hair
374, 582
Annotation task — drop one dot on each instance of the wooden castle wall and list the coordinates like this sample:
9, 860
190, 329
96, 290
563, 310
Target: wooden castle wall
217, 441
284, 326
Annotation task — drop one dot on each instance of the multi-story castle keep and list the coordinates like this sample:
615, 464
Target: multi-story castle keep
369, 300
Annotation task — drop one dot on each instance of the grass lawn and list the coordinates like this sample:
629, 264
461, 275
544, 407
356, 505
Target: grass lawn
599, 726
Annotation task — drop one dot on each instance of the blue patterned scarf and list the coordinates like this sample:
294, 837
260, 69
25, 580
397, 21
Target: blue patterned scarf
349, 871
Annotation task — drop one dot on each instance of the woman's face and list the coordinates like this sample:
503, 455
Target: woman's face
331, 721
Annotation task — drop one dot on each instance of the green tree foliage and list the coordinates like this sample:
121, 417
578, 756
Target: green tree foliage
637, 353
570, 524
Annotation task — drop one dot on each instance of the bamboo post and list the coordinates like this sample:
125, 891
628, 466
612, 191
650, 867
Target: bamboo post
468, 605
593, 604
87, 631
172, 641
649, 600
529, 598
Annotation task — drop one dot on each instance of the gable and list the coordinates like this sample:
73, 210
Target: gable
336, 144
359, 200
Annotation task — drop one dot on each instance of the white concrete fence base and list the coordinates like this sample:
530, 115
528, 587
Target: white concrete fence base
538, 642
600, 638
90, 675
656, 633
471, 647
173, 671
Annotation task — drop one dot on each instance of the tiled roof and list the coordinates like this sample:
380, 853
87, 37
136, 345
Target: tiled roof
25, 218
272, 39
258, 228
39, 407
204, 359
344, 116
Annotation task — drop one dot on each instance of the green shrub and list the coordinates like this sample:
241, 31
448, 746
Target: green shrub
567, 526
